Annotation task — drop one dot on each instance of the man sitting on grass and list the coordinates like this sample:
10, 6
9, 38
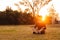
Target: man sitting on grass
40, 26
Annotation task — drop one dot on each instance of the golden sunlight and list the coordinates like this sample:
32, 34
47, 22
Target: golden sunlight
43, 11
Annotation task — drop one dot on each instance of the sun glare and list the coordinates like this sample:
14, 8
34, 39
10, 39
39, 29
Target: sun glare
43, 11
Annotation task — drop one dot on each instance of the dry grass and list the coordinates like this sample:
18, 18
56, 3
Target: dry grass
20, 32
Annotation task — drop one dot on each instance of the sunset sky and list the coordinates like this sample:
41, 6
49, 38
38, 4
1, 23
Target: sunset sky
5, 3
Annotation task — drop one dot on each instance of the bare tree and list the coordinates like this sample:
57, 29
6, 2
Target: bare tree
34, 5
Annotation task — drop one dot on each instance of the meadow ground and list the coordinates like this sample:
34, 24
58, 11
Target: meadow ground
24, 32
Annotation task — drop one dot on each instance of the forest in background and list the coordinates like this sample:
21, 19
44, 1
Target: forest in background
10, 17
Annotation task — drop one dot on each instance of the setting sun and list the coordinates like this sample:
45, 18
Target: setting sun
43, 11
29, 19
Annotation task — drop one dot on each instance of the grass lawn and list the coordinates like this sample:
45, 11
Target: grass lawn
24, 32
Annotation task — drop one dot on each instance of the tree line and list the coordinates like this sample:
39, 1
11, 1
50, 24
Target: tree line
10, 17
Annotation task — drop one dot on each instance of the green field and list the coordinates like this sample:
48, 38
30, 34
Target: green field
24, 32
